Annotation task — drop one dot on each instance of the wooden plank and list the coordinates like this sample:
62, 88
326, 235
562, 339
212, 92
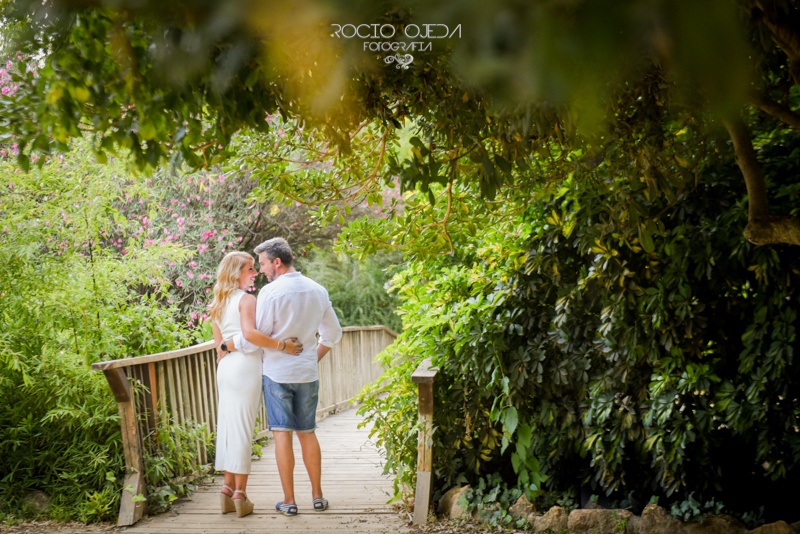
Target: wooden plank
424, 377
163, 382
130, 511
422, 498
118, 382
172, 393
211, 377
153, 407
202, 395
425, 372
158, 357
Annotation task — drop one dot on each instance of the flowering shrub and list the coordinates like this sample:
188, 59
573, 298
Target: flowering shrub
69, 298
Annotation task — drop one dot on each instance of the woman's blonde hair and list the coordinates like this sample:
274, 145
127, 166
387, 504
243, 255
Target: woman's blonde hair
228, 272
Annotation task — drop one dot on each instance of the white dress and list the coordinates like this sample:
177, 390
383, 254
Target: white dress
239, 388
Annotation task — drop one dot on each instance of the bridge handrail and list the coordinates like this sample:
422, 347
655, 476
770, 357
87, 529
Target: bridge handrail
181, 384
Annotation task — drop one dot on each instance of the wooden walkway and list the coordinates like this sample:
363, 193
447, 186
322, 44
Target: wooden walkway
352, 481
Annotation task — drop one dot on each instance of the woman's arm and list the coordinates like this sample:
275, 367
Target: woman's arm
247, 315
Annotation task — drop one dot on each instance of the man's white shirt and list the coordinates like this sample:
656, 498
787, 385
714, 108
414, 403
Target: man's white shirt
293, 305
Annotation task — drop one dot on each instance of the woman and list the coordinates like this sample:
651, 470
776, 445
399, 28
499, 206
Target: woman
233, 311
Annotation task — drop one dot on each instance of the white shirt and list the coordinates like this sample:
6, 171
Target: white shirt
293, 305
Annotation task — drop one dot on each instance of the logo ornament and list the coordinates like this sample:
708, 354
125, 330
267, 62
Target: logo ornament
402, 61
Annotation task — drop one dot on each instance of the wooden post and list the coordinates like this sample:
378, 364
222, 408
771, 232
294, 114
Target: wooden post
130, 511
424, 377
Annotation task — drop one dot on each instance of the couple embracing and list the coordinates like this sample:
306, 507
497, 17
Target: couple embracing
269, 343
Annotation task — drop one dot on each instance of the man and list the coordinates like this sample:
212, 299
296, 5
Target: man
292, 305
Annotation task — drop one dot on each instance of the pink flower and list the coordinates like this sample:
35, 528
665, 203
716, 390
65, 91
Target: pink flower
190, 274
178, 283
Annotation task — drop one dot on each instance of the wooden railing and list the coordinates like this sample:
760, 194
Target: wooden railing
181, 385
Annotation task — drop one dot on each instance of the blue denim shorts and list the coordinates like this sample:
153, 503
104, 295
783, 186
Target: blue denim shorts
291, 407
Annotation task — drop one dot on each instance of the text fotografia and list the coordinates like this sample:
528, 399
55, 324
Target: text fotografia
381, 38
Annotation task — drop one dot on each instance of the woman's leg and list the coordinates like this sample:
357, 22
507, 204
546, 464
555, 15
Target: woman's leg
229, 480
240, 482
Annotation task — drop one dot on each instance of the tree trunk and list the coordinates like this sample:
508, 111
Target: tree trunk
762, 228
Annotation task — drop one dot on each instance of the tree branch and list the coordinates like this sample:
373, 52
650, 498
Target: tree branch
783, 27
777, 110
762, 229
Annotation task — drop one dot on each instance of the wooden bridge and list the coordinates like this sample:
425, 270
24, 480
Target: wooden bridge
180, 386
352, 479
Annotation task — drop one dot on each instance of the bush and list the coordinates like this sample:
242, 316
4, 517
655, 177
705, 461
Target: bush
632, 344
68, 300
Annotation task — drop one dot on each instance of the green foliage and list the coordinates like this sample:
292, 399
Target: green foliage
171, 463
60, 435
691, 510
144, 60
489, 502
67, 299
356, 288
622, 337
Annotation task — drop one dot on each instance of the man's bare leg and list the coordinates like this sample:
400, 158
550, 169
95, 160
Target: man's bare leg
312, 458
284, 456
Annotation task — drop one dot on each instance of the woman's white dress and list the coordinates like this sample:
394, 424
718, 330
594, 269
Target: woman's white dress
239, 388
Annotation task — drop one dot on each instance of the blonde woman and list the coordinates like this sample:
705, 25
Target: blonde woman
233, 311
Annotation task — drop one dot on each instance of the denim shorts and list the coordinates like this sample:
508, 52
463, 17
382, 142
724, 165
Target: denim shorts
291, 407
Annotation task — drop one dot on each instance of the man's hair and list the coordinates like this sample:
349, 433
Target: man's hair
277, 247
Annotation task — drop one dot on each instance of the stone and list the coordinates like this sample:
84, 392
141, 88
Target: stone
39, 501
716, 524
554, 521
598, 521
657, 520
522, 508
779, 527
449, 503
